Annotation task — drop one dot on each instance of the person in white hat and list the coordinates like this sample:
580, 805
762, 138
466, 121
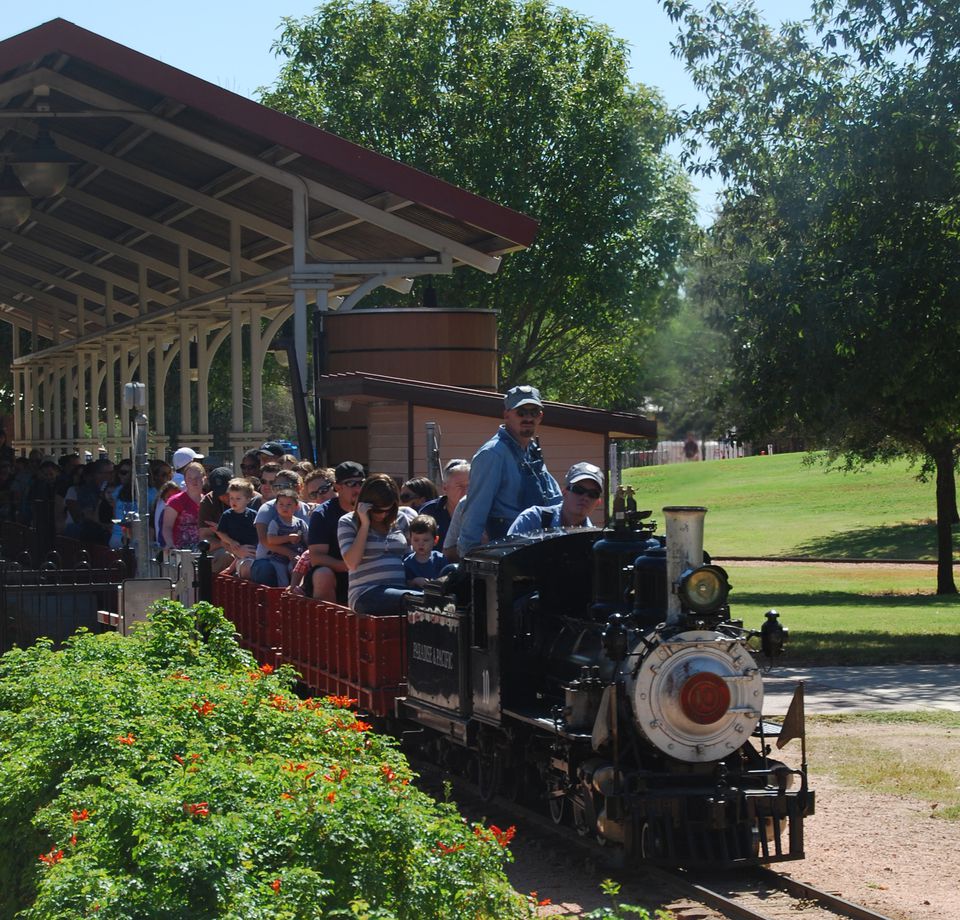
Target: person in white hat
181, 457
582, 493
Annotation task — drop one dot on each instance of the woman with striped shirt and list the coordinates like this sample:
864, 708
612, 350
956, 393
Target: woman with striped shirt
373, 540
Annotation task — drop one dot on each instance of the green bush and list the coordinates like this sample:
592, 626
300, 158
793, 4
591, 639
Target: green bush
167, 776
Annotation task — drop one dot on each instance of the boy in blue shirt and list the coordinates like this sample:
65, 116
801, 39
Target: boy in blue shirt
425, 562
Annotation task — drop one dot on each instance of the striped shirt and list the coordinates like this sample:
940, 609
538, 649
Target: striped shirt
382, 562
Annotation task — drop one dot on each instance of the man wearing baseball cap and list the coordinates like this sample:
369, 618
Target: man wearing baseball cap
507, 474
327, 579
582, 492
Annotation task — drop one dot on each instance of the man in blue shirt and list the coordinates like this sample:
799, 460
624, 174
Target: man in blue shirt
582, 492
507, 474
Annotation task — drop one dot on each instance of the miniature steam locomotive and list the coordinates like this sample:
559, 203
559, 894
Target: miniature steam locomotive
602, 669
597, 672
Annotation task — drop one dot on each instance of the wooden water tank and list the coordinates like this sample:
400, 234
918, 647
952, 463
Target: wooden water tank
455, 347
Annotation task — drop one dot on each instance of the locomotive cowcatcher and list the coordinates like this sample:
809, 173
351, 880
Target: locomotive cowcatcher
602, 670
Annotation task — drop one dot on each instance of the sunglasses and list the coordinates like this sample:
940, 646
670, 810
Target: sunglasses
386, 510
249, 466
583, 490
268, 482
352, 483
319, 490
529, 412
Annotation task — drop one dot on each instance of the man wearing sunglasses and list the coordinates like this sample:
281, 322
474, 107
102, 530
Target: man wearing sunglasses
327, 579
582, 493
507, 474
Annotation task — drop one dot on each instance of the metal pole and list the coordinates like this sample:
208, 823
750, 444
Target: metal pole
135, 397
433, 453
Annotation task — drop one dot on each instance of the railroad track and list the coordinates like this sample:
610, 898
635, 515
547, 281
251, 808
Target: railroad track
764, 894
747, 894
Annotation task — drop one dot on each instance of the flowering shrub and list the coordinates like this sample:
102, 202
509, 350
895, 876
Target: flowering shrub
166, 775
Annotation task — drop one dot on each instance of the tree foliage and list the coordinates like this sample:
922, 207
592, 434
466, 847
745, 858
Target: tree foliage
530, 106
838, 246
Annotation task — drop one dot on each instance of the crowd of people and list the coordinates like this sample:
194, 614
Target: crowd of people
336, 534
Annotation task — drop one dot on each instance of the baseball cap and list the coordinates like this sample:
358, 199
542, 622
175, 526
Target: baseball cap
184, 455
219, 479
522, 396
272, 449
349, 469
584, 470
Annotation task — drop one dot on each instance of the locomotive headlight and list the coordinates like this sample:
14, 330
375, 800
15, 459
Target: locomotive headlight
703, 590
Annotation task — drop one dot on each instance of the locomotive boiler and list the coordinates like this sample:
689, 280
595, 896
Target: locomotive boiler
601, 673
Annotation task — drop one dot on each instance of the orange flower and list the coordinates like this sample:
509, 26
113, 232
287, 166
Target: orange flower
387, 773
445, 849
342, 702
73, 840
204, 709
539, 903
503, 837
79, 815
176, 675
331, 796
51, 858
197, 809
266, 668
254, 675
126, 739
275, 885
285, 795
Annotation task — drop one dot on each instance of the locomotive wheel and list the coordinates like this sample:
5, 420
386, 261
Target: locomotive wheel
652, 841
557, 805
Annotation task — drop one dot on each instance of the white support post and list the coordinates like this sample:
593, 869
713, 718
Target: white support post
17, 387
159, 383
58, 405
236, 367
203, 373
256, 368
94, 396
114, 429
81, 397
70, 387
301, 214
186, 426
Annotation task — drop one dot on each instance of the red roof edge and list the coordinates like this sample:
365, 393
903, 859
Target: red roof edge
219, 103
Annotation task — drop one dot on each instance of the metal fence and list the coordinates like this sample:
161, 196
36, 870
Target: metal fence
53, 601
673, 452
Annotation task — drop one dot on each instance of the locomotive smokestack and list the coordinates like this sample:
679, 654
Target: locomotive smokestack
684, 526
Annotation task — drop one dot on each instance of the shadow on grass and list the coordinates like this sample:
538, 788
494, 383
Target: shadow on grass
866, 648
846, 599
896, 541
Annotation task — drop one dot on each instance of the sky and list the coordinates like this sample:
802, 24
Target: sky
228, 43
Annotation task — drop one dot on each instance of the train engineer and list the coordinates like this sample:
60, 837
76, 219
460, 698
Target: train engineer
582, 492
508, 473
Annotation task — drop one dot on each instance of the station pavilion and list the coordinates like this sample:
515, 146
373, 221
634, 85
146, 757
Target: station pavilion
189, 214
147, 215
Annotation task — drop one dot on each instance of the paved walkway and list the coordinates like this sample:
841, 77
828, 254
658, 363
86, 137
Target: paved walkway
839, 689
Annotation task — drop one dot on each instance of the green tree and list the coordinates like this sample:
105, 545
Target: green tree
839, 138
530, 106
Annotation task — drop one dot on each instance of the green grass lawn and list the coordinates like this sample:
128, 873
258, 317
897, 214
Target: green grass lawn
783, 506
851, 614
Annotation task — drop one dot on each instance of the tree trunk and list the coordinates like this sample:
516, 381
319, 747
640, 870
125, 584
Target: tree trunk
946, 505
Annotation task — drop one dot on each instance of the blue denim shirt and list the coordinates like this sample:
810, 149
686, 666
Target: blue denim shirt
504, 479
